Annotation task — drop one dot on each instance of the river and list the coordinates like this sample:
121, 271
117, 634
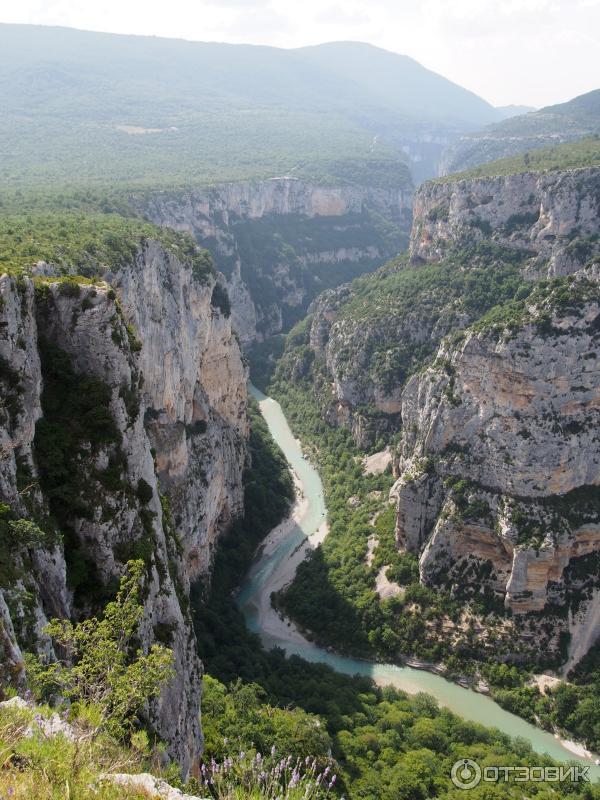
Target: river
275, 566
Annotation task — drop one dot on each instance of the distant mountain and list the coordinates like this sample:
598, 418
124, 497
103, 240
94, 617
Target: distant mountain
398, 83
565, 122
93, 107
505, 112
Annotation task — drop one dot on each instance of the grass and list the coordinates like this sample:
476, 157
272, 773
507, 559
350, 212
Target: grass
55, 768
63, 767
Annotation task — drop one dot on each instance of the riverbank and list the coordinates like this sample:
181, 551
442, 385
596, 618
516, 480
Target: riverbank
279, 557
271, 621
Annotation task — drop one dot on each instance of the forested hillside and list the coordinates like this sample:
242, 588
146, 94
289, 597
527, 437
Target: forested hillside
89, 108
553, 125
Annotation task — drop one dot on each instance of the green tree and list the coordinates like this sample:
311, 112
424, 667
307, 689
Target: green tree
101, 671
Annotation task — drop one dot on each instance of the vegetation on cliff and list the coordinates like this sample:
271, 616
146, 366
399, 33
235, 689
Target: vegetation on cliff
564, 122
571, 155
333, 596
390, 323
382, 742
88, 242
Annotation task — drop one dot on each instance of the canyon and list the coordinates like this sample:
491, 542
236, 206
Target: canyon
299, 347
148, 463
497, 457
279, 242
489, 407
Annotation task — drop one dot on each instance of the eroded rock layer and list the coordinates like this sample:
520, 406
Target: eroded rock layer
122, 435
281, 241
552, 217
499, 467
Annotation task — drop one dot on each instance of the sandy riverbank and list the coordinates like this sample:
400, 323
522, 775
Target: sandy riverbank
577, 749
272, 622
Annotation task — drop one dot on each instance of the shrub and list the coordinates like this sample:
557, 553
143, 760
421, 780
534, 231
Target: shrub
100, 669
144, 491
220, 299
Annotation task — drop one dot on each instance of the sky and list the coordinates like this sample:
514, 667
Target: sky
530, 52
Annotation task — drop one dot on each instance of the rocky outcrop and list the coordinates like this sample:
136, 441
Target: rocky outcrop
499, 468
281, 241
346, 349
194, 396
11, 658
364, 339
152, 787
150, 374
551, 217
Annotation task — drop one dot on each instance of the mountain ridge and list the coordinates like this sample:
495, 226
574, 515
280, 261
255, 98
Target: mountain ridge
561, 123
137, 109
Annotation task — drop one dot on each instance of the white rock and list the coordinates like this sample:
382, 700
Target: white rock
155, 788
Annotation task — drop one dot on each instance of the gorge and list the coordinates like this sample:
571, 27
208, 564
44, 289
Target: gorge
312, 428
282, 241
273, 569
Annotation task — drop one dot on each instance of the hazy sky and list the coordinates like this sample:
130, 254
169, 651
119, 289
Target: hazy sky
533, 52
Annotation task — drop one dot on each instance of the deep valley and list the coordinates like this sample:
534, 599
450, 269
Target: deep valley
299, 452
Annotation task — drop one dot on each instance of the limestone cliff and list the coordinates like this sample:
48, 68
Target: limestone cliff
281, 241
499, 467
474, 244
364, 339
122, 435
479, 348
552, 217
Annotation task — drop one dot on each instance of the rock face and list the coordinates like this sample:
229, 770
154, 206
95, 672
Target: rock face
155, 466
194, 395
281, 241
366, 337
551, 216
499, 487
481, 348
332, 338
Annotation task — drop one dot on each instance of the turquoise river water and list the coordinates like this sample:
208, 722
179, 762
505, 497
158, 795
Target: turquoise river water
465, 702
